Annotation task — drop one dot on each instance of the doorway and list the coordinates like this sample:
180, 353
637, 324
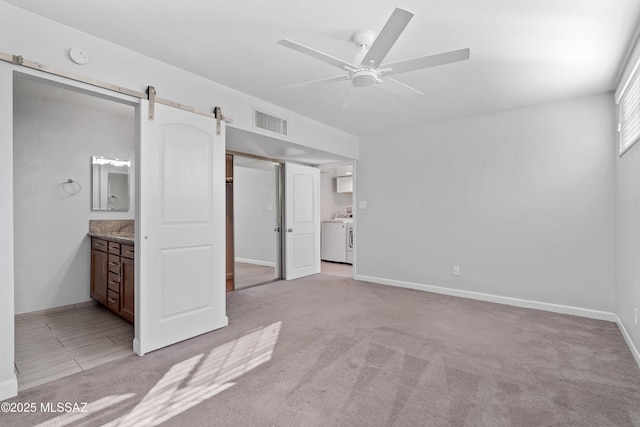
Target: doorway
249, 144
337, 219
257, 215
57, 132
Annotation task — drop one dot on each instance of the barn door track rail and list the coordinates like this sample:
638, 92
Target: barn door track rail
149, 94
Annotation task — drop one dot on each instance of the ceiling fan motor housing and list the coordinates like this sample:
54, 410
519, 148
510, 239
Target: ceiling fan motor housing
363, 38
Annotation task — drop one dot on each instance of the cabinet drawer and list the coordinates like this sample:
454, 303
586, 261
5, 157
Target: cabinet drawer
114, 248
127, 251
99, 244
113, 283
113, 263
113, 301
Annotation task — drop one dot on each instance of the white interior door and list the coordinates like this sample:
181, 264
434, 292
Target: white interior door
180, 235
302, 218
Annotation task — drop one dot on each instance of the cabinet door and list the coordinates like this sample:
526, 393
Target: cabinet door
344, 184
127, 283
99, 276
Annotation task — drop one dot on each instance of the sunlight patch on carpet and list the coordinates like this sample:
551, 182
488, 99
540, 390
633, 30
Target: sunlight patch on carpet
190, 382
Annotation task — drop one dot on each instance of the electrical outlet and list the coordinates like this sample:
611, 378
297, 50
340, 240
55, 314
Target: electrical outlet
456, 270
635, 316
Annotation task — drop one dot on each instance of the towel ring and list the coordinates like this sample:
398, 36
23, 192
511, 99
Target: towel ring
72, 187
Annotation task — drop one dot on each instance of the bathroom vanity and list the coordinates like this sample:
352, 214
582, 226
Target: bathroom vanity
113, 271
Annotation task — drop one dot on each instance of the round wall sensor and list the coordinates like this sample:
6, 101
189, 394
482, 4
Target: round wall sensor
78, 56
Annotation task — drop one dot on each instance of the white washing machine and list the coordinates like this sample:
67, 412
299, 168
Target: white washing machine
335, 238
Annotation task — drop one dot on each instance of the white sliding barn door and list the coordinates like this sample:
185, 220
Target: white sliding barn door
302, 218
180, 252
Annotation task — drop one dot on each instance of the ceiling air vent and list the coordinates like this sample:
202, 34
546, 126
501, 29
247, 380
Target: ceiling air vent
268, 122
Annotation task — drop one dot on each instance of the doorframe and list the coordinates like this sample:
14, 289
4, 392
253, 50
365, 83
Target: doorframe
280, 220
282, 247
8, 74
281, 203
8, 377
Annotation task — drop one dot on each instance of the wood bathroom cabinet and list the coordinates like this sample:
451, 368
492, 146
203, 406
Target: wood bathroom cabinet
112, 275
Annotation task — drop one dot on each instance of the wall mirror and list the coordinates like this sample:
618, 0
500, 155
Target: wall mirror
110, 184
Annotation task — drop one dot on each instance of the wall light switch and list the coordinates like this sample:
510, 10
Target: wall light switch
362, 205
456, 270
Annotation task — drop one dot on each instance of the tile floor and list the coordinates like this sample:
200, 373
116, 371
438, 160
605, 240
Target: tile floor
337, 269
55, 344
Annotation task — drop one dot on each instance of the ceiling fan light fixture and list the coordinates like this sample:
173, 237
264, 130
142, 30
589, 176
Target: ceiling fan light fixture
364, 78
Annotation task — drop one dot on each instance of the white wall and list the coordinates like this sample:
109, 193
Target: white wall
521, 200
330, 201
628, 243
255, 214
53, 141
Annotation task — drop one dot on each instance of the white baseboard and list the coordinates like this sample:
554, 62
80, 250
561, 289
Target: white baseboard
9, 387
256, 262
627, 338
537, 305
29, 314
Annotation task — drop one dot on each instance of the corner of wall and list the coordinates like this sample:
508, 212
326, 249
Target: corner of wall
634, 350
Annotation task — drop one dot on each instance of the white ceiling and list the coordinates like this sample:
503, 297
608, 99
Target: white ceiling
522, 51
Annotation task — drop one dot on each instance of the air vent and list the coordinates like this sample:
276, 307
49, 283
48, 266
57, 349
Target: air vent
268, 122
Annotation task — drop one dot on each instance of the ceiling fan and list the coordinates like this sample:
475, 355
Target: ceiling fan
366, 67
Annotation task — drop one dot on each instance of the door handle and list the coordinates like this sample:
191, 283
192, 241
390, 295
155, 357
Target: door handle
289, 230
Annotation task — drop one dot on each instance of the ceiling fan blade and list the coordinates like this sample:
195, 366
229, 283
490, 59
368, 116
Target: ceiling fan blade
316, 54
312, 82
350, 96
387, 37
426, 62
400, 88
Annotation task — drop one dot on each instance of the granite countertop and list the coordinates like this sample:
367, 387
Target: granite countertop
120, 237
121, 231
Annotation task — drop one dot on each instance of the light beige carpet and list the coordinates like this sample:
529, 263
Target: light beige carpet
331, 351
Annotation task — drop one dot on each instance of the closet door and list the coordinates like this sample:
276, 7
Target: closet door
230, 267
181, 260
